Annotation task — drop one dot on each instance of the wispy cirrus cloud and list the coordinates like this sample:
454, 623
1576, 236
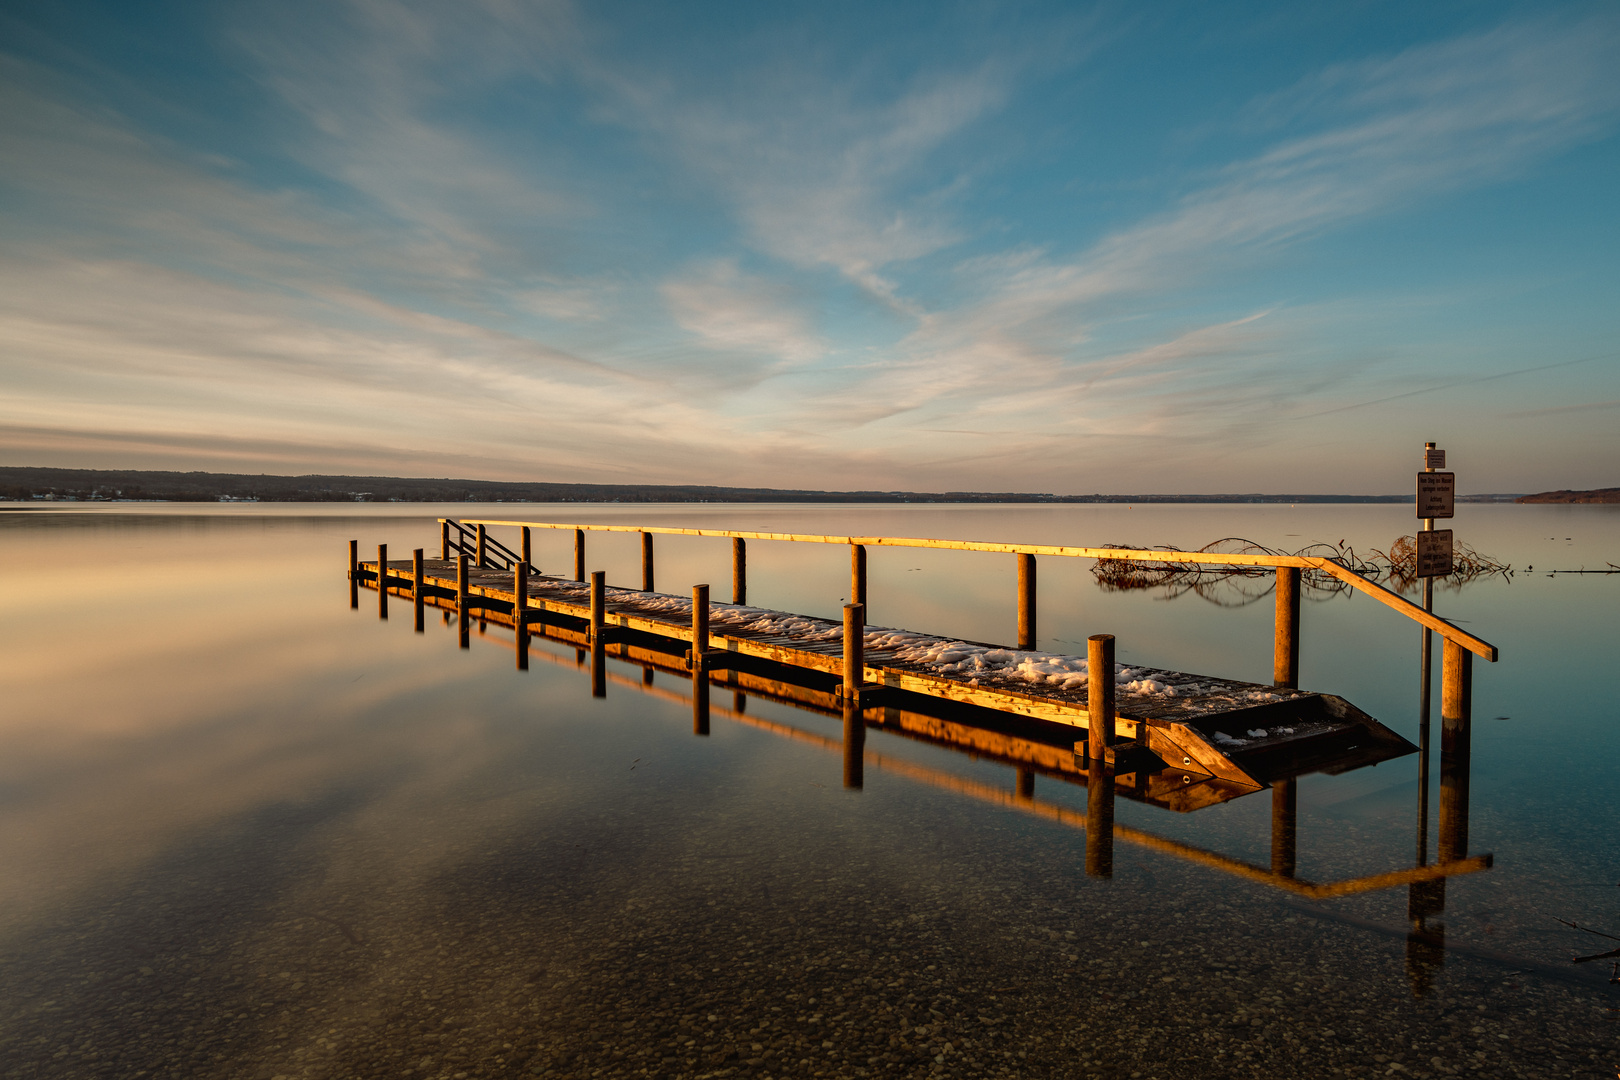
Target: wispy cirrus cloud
730, 310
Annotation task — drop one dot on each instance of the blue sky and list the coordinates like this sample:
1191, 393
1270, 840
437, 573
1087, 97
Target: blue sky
1023, 247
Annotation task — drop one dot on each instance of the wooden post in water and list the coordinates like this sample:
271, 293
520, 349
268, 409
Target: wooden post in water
700, 625
528, 557
1026, 601
444, 541
1456, 708
1100, 696
382, 581
854, 651
1285, 647
700, 667
857, 575
1284, 819
647, 562
598, 604
463, 591
579, 554
482, 550
354, 573
418, 587
739, 571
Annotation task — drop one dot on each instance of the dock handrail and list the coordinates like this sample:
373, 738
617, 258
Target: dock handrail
1446, 630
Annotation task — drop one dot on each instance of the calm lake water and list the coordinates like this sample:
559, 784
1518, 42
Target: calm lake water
247, 831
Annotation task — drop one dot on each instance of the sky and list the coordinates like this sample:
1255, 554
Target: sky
1196, 248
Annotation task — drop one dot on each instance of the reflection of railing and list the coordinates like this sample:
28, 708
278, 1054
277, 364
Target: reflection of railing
1006, 798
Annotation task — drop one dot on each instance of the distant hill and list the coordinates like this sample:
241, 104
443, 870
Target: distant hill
1596, 495
97, 485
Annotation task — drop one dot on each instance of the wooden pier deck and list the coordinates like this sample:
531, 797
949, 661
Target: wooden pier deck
1205, 726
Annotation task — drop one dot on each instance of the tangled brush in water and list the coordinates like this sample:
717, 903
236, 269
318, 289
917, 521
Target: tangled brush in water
1236, 586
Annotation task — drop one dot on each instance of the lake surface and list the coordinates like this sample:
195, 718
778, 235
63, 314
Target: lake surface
247, 831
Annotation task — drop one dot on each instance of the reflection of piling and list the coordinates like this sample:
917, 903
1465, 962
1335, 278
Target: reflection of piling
1425, 954
1026, 784
739, 570
647, 676
699, 659
1026, 601
739, 701
1285, 644
382, 581
418, 588
354, 573
520, 612
1100, 696
646, 562
598, 638
463, 591
854, 651
854, 745
1284, 818
1099, 819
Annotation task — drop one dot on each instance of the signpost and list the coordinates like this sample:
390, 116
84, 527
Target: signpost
1436, 495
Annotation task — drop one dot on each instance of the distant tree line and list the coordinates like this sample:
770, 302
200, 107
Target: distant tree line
27, 483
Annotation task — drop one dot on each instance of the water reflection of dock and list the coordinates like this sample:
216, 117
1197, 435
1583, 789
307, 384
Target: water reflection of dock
809, 664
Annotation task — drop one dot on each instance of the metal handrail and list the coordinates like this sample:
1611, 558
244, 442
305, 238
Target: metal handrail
1478, 646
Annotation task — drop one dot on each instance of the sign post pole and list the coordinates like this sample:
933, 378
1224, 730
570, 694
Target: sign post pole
1436, 497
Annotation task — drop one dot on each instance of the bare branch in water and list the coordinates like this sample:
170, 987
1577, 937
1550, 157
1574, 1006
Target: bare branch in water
1238, 586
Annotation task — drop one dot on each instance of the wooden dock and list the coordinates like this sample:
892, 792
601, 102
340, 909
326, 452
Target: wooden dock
1171, 739
1199, 727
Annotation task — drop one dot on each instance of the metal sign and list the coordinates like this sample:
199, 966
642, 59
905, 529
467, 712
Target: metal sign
1434, 459
1436, 494
1434, 553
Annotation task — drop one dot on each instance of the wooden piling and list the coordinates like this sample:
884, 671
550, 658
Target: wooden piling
700, 625
528, 548
854, 651
1026, 601
857, 575
418, 588
444, 541
598, 604
1285, 647
483, 536
739, 570
382, 581
647, 562
579, 554
1456, 708
1284, 827
354, 573
1100, 696
520, 594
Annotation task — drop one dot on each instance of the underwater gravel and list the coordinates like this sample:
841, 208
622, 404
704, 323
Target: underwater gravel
621, 948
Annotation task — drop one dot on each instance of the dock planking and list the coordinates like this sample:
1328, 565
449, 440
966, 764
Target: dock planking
1243, 734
